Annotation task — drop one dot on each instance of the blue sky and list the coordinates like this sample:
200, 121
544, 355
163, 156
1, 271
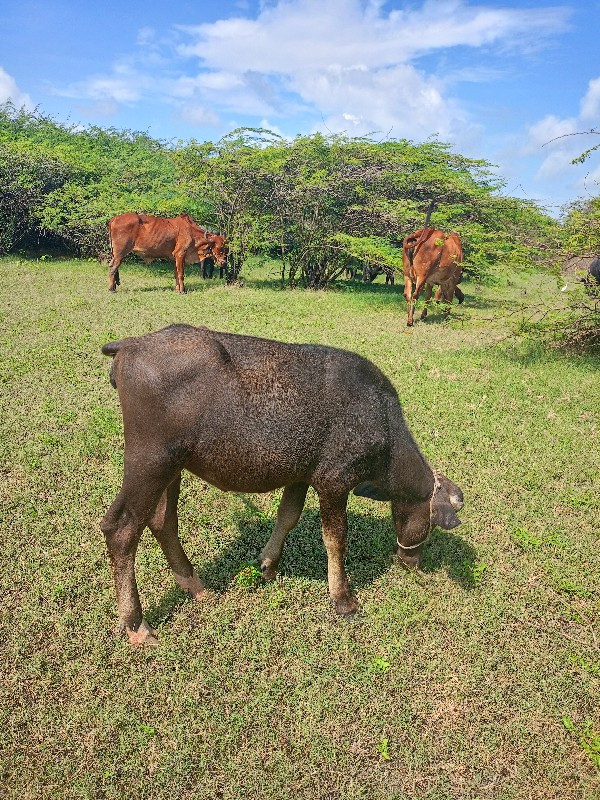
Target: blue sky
496, 79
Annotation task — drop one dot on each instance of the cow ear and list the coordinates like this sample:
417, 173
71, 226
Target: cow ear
443, 515
371, 491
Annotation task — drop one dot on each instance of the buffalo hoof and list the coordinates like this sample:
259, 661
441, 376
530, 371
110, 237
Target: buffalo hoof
269, 571
193, 585
144, 636
346, 606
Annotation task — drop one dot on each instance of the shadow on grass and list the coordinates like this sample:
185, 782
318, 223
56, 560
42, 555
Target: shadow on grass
371, 548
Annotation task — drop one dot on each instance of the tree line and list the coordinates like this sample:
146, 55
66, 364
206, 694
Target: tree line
321, 204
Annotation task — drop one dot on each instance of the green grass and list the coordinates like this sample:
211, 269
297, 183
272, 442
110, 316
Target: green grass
477, 677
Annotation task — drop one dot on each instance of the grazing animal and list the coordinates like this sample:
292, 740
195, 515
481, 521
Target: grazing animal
207, 268
292, 416
371, 272
594, 272
177, 238
430, 256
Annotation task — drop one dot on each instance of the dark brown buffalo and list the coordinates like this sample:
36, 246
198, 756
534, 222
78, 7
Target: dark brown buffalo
371, 272
292, 416
178, 238
430, 257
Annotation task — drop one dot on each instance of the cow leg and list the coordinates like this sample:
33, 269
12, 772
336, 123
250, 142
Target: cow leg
113, 273
418, 287
448, 295
335, 538
428, 292
179, 270
164, 526
408, 294
458, 292
288, 514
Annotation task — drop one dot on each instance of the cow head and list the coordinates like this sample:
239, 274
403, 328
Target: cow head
414, 520
219, 248
203, 245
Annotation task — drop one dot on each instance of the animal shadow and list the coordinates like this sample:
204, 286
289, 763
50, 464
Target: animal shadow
371, 551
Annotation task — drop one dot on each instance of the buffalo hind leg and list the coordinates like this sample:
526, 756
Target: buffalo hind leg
122, 529
122, 526
288, 514
335, 537
164, 527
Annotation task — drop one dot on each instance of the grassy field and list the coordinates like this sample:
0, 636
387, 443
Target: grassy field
477, 677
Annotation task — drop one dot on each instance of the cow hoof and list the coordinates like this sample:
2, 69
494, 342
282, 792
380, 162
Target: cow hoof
409, 324
346, 607
193, 585
145, 635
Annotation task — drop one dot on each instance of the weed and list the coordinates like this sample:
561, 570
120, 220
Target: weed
383, 748
248, 577
472, 572
525, 539
588, 738
380, 664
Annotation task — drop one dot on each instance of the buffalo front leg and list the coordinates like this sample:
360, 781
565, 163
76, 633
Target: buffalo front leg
335, 538
288, 514
164, 526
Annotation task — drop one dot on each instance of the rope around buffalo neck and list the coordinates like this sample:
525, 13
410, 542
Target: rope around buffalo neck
436, 486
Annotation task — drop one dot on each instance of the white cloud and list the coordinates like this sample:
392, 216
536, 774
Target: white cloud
200, 115
590, 104
297, 35
350, 62
10, 91
564, 139
342, 64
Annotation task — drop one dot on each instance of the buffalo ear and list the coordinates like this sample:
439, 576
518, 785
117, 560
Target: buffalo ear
371, 491
455, 495
444, 516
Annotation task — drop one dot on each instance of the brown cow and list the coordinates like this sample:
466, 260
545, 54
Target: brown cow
178, 238
430, 256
